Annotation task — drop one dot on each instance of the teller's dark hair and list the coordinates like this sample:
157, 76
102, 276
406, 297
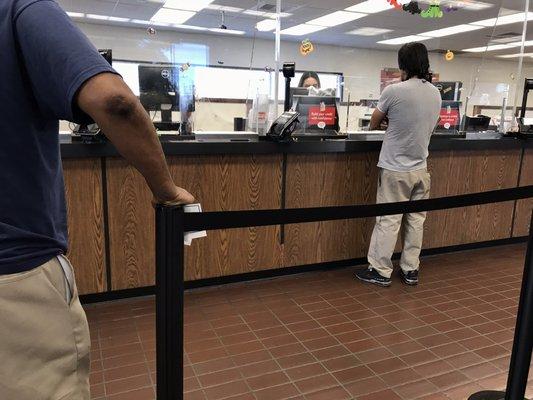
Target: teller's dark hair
414, 60
309, 74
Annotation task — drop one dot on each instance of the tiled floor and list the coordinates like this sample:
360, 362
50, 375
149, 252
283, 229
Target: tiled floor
322, 335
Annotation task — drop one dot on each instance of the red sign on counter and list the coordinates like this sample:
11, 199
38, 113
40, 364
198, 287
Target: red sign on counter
321, 116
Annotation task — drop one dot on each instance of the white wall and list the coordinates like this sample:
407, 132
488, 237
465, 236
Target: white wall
361, 67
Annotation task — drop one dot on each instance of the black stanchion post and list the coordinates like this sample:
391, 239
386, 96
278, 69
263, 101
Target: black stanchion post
523, 339
169, 302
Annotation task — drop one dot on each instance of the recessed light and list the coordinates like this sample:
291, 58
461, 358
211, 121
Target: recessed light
227, 31
370, 7
369, 31
187, 5
266, 25
404, 39
504, 20
302, 29
335, 18
75, 14
452, 30
171, 16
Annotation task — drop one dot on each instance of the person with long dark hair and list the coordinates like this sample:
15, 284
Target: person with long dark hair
412, 108
309, 79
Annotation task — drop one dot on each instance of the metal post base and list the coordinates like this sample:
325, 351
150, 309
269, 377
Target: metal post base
488, 395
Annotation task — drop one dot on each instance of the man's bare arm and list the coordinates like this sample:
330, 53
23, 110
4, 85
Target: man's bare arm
376, 119
120, 115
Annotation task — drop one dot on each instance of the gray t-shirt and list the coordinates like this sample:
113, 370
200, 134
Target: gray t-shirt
413, 108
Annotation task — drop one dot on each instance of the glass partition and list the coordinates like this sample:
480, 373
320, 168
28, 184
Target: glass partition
474, 49
221, 56
196, 65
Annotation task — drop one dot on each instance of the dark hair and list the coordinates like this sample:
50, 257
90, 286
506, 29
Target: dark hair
309, 74
414, 60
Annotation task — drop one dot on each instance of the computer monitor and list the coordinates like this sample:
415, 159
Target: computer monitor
478, 123
450, 91
318, 114
159, 91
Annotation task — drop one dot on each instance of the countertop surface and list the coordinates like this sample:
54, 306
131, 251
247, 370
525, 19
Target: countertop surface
363, 142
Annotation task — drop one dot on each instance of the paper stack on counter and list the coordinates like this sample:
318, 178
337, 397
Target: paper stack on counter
189, 236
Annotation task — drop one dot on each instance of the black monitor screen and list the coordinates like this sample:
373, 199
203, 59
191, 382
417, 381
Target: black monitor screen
159, 85
317, 114
450, 91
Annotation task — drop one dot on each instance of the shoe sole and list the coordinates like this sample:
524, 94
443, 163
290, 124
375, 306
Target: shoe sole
374, 282
408, 282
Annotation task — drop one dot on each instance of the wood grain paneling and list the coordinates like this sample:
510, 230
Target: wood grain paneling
524, 207
345, 179
220, 183
462, 172
329, 180
83, 185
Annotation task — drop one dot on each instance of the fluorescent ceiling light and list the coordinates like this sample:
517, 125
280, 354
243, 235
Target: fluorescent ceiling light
452, 30
75, 14
188, 5
517, 55
227, 31
497, 47
170, 16
98, 17
119, 19
504, 20
370, 7
224, 8
335, 18
190, 27
404, 39
488, 48
302, 29
141, 22
266, 25
369, 31
256, 13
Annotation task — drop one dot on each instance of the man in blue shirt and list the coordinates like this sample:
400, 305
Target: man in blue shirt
49, 71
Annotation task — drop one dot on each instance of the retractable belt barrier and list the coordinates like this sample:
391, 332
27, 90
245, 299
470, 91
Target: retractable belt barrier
172, 223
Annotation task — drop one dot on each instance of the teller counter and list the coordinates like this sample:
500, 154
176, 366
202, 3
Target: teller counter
111, 219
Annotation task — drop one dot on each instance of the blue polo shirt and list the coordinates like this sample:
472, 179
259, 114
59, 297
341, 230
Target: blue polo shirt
44, 59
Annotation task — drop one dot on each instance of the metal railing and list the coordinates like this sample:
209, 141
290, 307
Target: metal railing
172, 223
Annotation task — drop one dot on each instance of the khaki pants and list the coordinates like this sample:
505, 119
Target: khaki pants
394, 187
44, 338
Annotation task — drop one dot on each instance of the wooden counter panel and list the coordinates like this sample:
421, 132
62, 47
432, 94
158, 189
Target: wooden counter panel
346, 179
329, 180
462, 172
524, 207
220, 183
83, 186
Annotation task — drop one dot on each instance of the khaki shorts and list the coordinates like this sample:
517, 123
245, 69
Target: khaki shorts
44, 336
